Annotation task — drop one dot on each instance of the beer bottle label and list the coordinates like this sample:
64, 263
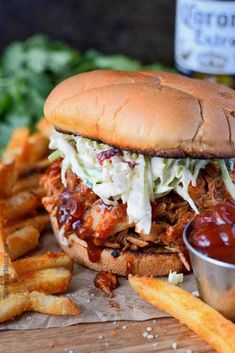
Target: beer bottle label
205, 36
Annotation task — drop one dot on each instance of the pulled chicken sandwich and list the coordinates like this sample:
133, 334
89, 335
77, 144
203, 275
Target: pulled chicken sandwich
135, 157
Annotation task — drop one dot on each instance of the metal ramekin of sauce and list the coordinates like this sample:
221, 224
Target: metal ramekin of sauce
210, 239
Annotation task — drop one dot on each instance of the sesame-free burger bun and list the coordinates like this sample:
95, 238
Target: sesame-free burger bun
157, 113
139, 263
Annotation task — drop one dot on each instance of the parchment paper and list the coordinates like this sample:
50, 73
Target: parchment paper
95, 306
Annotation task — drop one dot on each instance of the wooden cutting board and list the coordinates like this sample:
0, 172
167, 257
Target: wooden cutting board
119, 337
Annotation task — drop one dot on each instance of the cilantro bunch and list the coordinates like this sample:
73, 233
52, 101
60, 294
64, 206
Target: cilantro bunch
30, 69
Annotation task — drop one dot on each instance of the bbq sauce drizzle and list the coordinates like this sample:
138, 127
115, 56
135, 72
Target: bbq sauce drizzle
73, 215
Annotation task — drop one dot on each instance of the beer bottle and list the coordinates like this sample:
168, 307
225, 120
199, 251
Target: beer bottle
205, 39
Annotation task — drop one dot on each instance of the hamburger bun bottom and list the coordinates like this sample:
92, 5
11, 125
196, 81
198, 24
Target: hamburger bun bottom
140, 262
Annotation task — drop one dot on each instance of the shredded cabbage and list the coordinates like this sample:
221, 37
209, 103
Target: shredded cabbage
54, 155
175, 278
226, 178
133, 178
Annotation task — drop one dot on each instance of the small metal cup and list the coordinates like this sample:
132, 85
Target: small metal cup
215, 279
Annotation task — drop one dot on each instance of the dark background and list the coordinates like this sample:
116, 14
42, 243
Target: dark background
142, 29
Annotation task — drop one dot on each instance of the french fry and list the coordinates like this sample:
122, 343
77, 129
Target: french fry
7, 271
17, 303
49, 281
210, 325
13, 305
39, 222
17, 149
27, 183
49, 304
8, 176
40, 262
40, 192
38, 166
22, 152
44, 127
22, 241
17, 206
25, 150
38, 147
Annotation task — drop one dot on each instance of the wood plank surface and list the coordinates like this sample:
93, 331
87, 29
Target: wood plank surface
119, 337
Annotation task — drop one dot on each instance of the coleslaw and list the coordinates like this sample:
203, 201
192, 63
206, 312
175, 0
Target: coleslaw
135, 179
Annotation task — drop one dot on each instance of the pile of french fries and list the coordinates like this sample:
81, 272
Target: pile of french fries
27, 283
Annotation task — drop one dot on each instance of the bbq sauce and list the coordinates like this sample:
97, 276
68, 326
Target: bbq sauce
75, 216
70, 215
93, 251
213, 233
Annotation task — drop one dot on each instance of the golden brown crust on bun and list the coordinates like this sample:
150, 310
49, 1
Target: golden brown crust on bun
142, 263
157, 113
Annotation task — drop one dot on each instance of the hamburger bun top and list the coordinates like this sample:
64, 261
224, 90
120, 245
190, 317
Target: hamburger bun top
152, 112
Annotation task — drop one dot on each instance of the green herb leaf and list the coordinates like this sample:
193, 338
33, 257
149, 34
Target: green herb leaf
30, 69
